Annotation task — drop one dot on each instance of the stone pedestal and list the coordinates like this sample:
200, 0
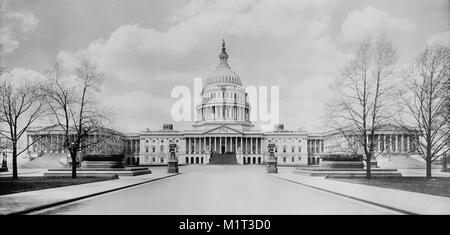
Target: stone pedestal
272, 166
272, 161
172, 164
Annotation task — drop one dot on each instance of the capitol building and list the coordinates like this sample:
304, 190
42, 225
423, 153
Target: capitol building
224, 133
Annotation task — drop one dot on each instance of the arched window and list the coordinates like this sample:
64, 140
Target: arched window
162, 148
284, 148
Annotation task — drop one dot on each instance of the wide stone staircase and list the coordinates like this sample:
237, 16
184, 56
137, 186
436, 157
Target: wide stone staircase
223, 159
401, 162
46, 160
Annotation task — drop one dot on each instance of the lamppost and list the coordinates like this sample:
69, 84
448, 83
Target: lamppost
272, 161
173, 161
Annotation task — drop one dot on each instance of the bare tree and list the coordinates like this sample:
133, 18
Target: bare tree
73, 105
425, 96
21, 104
361, 104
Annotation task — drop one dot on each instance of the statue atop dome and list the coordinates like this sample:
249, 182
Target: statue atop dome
223, 56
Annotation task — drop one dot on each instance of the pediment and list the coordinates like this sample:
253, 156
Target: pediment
222, 130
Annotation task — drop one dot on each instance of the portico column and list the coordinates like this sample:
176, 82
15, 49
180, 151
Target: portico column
259, 145
251, 146
202, 144
408, 143
378, 143
391, 140
194, 144
209, 144
405, 143
28, 143
241, 144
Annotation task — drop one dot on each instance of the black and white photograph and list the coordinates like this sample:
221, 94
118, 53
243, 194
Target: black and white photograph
224, 107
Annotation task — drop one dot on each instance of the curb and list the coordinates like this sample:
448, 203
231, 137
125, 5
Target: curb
351, 197
46, 206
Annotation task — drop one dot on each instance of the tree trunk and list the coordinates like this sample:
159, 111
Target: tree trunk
74, 164
428, 158
368, 168
428, 168
14, 159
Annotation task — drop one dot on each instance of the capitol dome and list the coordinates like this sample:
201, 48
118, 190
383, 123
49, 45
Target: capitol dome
224, 99
223, 72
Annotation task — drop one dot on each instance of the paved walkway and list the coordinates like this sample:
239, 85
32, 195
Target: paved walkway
405, 201
214, 189
422, 172
32, 200
223, 190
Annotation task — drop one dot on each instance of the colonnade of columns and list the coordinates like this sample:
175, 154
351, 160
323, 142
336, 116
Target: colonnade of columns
235, 144
46, 143
394, 143
315, 146
54, 143
134, 146
220, 112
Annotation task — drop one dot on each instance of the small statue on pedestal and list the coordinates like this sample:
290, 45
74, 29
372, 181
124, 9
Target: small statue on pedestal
272, 161
173, 161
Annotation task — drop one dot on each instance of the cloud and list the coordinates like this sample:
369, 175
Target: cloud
269, 42
137, 110
16, 25
135, 54
372, 21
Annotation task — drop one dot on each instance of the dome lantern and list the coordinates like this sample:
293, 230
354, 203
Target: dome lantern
223, 72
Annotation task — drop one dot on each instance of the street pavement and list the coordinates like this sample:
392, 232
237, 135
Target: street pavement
219, 189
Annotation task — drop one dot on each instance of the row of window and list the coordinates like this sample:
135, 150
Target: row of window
161, 148
292, 149
162, 141
226, 95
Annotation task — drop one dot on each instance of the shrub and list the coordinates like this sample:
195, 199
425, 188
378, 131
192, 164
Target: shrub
104, 157
342, 157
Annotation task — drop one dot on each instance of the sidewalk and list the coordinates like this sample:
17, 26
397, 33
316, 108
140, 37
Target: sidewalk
21, 203
24, 172
403, 201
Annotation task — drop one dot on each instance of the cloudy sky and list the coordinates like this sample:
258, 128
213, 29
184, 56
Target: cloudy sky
148, 47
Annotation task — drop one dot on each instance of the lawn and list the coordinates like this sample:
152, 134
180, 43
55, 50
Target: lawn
439, 186
8, 185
